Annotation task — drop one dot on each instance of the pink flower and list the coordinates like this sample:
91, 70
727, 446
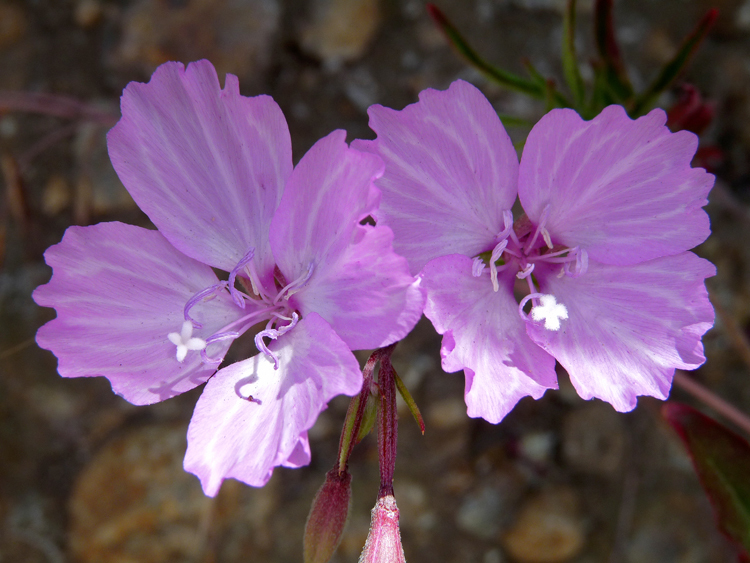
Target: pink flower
611, 208
213, 171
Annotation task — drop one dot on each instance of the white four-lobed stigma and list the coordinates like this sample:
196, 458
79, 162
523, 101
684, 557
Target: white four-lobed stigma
185, 341
550, 311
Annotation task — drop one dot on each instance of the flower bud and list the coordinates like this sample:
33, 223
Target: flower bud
327, 518
383, 543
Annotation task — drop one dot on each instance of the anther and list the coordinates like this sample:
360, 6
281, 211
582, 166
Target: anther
477, 267
494, 257
236, 295
526, 272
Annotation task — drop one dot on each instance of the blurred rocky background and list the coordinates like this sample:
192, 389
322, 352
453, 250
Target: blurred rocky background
85, 477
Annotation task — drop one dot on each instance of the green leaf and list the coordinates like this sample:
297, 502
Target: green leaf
502, 77
722, 460
570, 64
673, 68
409, 400
614, 75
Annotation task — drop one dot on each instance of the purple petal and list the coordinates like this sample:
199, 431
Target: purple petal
484, 335
328, 194
231, 436
451, 171
622, 189
208, 166
358, 284
628, 328
119, 290
368, 296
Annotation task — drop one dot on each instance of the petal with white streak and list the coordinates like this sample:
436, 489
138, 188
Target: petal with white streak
451, 171
208, 166
622, 189
484, 335
119, 290
629, 328
252, 418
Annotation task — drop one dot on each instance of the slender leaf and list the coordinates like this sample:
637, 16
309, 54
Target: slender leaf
570, 64
722, 461
409, 400
614, 73
502, 77
673, 68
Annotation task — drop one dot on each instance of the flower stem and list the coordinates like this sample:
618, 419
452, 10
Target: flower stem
387, 425
710, 399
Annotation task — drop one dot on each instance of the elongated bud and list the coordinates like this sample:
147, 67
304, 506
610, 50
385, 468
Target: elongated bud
327, 518
383, 543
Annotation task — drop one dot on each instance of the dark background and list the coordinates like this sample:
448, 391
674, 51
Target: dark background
86, 477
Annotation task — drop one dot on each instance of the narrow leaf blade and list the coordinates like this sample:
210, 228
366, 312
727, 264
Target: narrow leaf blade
722, 460
674, 67
502, 77
614, 73
570, 64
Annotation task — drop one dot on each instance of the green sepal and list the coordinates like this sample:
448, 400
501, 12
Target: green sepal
368, 418
409, 400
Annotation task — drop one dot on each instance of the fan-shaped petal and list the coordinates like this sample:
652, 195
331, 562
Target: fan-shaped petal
119, 290
208, 166
629, 328
484, 335
451, 171
252, 418
622, 189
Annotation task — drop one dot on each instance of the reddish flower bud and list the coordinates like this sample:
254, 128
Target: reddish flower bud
383, 543
327, 518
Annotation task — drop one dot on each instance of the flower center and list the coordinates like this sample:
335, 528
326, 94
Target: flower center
273, 306
529, 251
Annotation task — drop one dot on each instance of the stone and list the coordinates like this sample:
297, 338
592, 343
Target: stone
340, 30
12, 24
235, 35
134, 502
548, 529
593, 438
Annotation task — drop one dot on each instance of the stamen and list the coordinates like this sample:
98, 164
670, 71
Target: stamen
273, 334
525, 300
237, 296
526, 271
546, 237
231, 335
477, 267
539, 229
581, 265
293, 287
508, 221
185, 341
494, 257
198, 297
550, 311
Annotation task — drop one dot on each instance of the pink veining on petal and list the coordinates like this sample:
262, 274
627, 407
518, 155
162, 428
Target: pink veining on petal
119, 290
622, 189
484, 336
252, 417
628, 328
208, 166
451, 171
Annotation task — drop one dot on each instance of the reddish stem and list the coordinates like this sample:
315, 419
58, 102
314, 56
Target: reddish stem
710, 399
